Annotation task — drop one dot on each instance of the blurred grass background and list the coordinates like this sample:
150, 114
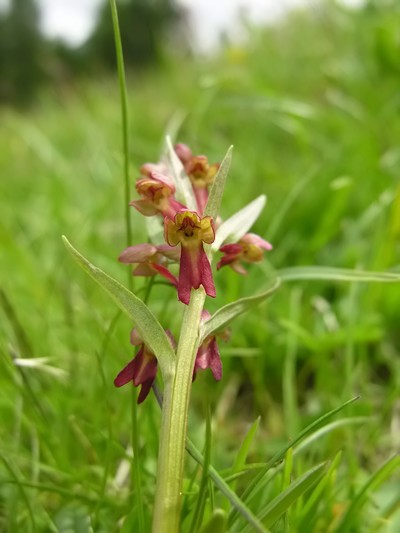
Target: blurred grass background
311, 105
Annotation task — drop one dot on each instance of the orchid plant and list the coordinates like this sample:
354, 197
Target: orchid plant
180, 197
188, 244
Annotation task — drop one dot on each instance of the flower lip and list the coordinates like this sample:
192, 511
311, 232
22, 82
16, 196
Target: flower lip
189, 229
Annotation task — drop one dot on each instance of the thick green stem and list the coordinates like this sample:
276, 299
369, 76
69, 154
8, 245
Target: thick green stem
174, 422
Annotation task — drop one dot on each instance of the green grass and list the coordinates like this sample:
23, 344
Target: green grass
312, 109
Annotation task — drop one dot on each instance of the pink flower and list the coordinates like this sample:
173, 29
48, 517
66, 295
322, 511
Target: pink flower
151, 259
157, 192
249, 249
141, 370
190, 231
208, 353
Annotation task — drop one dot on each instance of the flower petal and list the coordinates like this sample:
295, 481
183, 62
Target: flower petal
128, 373
206, 274
144, 391
189, 274
231, 249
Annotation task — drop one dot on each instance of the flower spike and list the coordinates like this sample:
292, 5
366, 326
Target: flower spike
190, 231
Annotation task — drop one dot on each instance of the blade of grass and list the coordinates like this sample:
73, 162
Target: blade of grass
308, 515
21, 488
136, 467
287, 475
254, 486
221, 484
279, 505
201, 497
289, 383
125, 125
376, 479
243, 452
335, 274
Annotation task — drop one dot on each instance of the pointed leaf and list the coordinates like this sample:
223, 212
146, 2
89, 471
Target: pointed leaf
336, 274
217, 189
239, 224
223, 316
184, 189
145, 322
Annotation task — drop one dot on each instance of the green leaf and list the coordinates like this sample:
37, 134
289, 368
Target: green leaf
146, 323
238, 224
373, 482
335, 274
217, 189
279, 505
223, 316
184, 189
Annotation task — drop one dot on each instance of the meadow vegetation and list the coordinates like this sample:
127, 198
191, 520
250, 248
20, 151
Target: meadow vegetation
311, 106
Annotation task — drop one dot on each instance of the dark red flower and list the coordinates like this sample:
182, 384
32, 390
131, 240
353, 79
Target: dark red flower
141, 370
208, 353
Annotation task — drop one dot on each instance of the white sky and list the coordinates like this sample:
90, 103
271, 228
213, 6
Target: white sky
73, 20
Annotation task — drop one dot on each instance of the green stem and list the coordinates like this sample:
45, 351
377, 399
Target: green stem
174, 422
125, 126
136, 466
